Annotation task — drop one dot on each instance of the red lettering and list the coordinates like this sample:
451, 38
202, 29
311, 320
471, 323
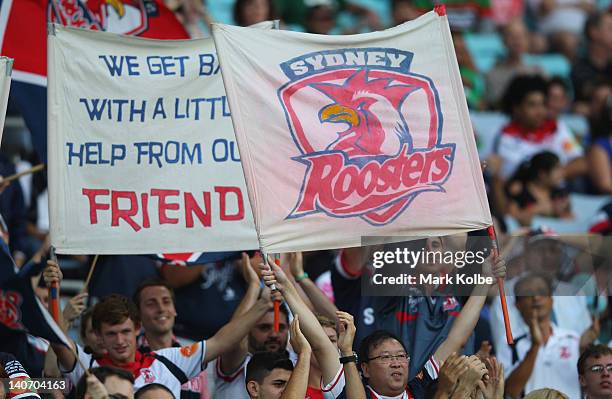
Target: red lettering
413, 167
94, 206
125, 214
144, 199
345, 184
163, 206
223, 191
191, 207
442, 164
319, 182
368, 183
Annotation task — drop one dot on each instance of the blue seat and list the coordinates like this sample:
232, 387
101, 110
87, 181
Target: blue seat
551, 64
221, 10
485, 49
487, 125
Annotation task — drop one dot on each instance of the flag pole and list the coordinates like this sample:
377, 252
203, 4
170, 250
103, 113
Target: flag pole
90, 274
16, 176
500, 284
277, 302
54, 303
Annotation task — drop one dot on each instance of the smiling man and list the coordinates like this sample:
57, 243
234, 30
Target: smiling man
156, 305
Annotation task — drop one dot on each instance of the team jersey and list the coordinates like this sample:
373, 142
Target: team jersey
515, 144
196, 388
170, 367
555, 365
422, 322
415, 389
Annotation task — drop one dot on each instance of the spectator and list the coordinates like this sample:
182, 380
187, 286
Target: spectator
154, 391
596, 65
115, 380
516, 40
271, 375
155, 302
543, 357
117, 322
320, 19
558, 98
562, 21
251, 12
530, 131
595, 372
90, 340
536, 190
570, 312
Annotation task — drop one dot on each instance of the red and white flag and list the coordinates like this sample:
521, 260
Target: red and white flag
343, 137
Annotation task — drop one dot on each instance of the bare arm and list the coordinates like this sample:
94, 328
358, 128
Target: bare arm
576, 167
51, 370
324, 350
321, 303
599, 169
346, 335
233, 358
468, 317
233, 332
298, 382
518, 378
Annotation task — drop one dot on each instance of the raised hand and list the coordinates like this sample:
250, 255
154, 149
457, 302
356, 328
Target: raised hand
52, 273
299, 343
76, 305
346, 332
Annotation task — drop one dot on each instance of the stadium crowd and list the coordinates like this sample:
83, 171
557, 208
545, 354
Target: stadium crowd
537, 76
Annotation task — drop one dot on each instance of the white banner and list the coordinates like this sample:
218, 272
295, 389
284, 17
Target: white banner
349, 136
142, 153
6, 67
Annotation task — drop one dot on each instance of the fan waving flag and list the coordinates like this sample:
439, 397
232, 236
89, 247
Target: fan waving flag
23, 37
343, 137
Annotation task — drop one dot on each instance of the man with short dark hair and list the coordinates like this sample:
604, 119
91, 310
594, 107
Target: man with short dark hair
156, 304
117, 322
595, 372
154, 391
267, 374
115, 380
544, 357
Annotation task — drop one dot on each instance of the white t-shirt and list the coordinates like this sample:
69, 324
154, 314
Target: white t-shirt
147, 369
555, 365
515, 146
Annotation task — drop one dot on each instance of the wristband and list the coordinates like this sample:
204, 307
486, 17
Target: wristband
301, 277
349, 359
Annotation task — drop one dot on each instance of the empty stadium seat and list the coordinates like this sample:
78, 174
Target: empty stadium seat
485, 49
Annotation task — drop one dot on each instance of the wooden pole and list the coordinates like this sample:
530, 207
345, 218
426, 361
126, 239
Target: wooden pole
16, 176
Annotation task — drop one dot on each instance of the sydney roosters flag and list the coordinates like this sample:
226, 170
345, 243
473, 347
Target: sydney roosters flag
23, 37
343, 137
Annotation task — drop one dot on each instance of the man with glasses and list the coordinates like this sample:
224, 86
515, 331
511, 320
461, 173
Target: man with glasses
595, 372
384, 366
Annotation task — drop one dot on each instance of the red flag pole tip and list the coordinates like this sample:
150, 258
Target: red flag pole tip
277, 303
440, 9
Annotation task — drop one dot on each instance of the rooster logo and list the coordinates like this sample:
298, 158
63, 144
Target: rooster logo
358, 103
367, 130
128, 17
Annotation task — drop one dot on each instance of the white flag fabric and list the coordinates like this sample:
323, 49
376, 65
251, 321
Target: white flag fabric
142, 153
6, 67
343, 137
